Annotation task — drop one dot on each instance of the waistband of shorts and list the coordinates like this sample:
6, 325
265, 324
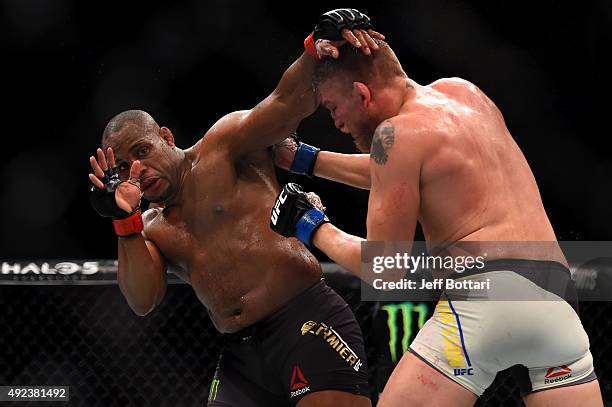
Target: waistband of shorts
301, 299
523, 267
549, 275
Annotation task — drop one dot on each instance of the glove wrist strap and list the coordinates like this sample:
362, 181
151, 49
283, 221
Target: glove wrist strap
308, 224
130, 226
309, 46
304, 160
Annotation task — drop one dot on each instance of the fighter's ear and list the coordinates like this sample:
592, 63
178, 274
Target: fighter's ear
363, 92
167, 135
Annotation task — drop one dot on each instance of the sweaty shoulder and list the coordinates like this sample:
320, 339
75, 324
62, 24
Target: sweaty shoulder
220, 134
400, 137
450, 85
465, 92
149, 216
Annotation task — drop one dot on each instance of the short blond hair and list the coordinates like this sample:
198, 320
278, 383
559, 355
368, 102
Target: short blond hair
353, 65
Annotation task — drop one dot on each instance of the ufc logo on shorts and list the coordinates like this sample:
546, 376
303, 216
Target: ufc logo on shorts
276, 210
464, 372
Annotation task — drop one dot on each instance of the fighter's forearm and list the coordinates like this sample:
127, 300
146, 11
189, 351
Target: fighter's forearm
139, 277
342, 248
350, 169
275, 117
295, 89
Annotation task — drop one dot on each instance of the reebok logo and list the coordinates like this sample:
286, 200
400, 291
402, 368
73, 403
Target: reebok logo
297, 379
299, 384
557, 374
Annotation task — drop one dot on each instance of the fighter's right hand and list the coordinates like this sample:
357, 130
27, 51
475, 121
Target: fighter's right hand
112, 198
297, 213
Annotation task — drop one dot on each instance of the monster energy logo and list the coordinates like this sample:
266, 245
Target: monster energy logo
407, 309
214, 386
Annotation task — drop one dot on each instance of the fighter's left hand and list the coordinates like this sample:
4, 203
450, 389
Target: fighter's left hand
361, 39
337, 27
284, 152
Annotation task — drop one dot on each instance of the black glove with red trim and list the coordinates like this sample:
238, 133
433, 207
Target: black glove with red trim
332, 23
103, 201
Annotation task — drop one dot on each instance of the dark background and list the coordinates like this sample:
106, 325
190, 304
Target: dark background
69, 66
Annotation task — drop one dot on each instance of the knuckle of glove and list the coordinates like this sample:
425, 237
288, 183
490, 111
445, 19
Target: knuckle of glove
293, 189
362, 21
332, 23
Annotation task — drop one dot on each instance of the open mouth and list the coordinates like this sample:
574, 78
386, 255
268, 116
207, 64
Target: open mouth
148, 182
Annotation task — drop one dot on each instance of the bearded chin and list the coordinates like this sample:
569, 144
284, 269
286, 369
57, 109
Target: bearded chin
363, 143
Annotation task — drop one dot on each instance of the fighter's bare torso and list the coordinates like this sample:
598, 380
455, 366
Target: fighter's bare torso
218, 238
475, 183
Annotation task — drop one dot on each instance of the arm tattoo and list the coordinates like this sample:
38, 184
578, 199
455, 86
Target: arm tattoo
384, 137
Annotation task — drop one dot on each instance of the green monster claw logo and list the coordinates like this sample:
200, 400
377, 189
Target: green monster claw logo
407, 309
214, 387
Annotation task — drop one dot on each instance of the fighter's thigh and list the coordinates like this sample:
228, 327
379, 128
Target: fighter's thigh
333, 398
415, 383
230, 388
328, 356
583, 395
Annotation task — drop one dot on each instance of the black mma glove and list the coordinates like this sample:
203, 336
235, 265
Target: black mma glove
103, 201
332, 23
294, 216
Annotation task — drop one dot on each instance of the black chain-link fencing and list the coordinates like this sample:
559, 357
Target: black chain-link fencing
86, 337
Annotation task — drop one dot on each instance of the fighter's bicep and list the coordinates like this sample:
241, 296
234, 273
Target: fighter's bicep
393, 211
394, 196
268, 123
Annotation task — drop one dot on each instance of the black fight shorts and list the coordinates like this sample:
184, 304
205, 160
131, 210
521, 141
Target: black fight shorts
312, 343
